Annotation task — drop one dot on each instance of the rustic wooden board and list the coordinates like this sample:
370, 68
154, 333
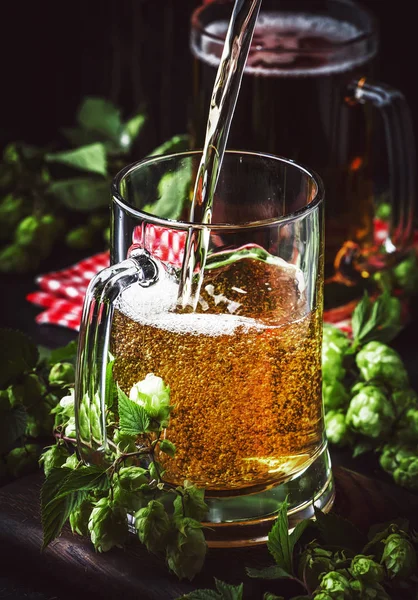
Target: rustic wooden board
70, 568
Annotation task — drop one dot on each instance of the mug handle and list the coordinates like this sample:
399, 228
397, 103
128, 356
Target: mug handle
400, 143
94, 347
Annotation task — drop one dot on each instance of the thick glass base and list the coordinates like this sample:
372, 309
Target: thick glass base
238, 521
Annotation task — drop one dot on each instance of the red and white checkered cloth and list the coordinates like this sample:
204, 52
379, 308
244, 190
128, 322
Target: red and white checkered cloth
62, 292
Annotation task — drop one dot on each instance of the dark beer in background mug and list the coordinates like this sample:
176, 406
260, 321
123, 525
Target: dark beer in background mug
296, 101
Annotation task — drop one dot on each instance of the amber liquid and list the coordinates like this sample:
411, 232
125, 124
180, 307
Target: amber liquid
244, 372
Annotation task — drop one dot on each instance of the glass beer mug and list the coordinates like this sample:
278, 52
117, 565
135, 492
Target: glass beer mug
308, 93
244, 362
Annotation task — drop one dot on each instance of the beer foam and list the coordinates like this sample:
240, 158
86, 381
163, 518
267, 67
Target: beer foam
154, 307
269, 27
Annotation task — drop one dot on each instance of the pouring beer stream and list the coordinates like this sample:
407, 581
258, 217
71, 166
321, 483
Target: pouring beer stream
224, 97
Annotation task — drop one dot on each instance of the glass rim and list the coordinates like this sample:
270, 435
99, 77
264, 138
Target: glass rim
197, 26
183, 225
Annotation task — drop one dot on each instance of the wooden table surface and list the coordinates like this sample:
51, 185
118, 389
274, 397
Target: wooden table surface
70, 568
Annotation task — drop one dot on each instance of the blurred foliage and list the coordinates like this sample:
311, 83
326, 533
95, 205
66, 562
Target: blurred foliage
59, 195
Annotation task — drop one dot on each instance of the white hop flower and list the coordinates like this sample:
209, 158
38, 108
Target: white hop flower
152, 394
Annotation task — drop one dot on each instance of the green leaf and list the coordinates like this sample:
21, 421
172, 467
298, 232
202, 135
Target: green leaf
53, 518
66, 353
178, 143
229, 592
56, 513
378, 320
80, 137
201, 595
298, 531
63, 492
90, 158
12, 427
133, 419
270, 596
81, 194
17, 355
362, 447
279, 541
84, 478
190, 502
271, 572
173, 192
101, 116
337, 531
168, 447
111, 393
132, 128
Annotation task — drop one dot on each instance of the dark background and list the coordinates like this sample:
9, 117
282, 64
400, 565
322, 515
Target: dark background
131, 51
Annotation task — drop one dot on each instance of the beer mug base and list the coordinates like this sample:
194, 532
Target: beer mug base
240, 521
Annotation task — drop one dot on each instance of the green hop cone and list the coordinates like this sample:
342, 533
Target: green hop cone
399, 556
384, 211
28, 392
29, 231
404, 399
12, 209
64, 410
132, 478
366, 569
51, 228
79, 518
337, 430
130, 501
128, 488
152, 394
153, 526
53, 457
401, 461
335, 395
23, 460
15, 259
62, 374
333, 335
190, 502
406, 475
406, 274
187, 550
315, 561
108, 525
368, 591
407, 426
96, 418
334, 345
322, 596
124, 441
39, 422
379, 362
72, 461
371, 413
70, 429
11, 154
336, 585
80, 238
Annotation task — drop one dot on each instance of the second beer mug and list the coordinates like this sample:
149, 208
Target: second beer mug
307, 93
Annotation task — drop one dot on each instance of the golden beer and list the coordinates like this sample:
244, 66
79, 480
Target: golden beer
244, 372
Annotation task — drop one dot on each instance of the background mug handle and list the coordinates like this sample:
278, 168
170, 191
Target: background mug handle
398, 128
